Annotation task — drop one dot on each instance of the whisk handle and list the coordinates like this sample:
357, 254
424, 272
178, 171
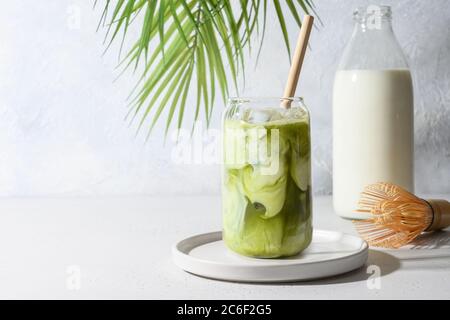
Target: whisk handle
441, 214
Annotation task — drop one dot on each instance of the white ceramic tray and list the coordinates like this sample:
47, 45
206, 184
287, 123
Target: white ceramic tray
330, 253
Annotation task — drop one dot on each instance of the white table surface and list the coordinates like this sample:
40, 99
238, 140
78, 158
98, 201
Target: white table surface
119, 248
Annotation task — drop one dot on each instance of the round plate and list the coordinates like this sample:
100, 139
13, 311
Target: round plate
330, 253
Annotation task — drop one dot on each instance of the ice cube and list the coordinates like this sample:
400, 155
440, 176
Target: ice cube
294, 113
263, 115
276, 115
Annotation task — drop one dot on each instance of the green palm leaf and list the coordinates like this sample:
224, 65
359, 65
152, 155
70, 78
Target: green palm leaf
185, 40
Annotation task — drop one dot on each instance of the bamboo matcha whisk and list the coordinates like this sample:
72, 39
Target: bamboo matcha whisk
397, 216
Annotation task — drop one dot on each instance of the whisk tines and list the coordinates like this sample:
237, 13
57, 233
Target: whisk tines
397, 216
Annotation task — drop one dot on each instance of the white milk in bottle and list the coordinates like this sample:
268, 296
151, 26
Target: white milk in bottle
372, 113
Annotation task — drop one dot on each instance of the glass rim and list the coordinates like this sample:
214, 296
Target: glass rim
261, 99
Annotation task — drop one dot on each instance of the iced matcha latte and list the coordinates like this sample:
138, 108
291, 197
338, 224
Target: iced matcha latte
267, 179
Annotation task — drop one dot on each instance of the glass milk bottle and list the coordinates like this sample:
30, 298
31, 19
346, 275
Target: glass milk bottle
372, 112
266, 201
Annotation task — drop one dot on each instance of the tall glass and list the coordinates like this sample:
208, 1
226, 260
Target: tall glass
267, 206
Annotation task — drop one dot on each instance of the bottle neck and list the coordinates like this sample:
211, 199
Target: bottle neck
373, 19
380, 25
373, 44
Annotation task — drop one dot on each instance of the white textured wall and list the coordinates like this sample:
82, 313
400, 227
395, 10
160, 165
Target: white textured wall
61, 116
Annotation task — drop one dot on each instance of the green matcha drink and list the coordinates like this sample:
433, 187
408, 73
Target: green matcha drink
267, 179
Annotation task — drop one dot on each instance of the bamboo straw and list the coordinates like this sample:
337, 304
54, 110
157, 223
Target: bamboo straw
297, 60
